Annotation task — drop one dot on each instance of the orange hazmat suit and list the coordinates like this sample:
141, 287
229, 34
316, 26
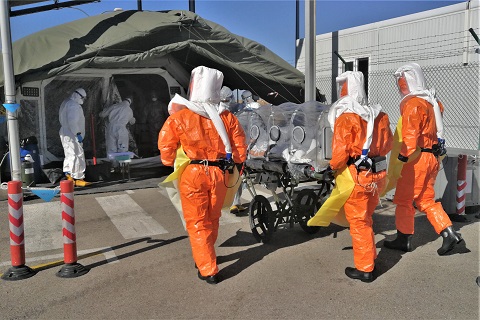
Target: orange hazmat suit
418, 176
359, 129
202, 187
349, 136
420, 129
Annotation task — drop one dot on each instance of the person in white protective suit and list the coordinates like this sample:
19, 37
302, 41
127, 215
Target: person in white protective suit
116, 135
247, 99
72, 133
226, 96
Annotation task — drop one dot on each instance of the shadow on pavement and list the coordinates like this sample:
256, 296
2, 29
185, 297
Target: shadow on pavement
424, 234
159, 243
383, 224
246, 258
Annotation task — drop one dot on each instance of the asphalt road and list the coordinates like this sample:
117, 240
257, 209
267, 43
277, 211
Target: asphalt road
136, 247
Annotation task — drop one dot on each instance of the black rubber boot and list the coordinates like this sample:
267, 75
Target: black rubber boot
450, 239
210, 279
354, 273
402, 242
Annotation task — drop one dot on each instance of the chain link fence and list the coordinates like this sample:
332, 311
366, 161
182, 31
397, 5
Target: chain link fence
457, 87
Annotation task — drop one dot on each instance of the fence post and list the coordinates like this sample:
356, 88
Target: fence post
71, 268
19, 270
461, 183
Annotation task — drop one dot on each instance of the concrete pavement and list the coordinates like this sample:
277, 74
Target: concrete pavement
142, 268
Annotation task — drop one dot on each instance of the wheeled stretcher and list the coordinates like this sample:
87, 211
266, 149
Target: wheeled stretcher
296, 145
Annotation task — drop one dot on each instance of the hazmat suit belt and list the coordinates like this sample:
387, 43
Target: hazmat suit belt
352, 160
436, 150
375, 164
207, 163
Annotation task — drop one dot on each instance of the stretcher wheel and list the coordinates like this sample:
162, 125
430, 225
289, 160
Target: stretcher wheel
261, 218
306, 206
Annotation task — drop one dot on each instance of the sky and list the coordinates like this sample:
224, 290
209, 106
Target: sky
269, 22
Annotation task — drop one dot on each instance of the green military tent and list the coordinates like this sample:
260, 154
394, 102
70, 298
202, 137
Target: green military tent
134, 53
176, 41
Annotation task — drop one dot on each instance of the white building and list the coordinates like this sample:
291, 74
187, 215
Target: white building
439, 40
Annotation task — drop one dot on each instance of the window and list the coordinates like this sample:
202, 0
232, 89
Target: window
360, 64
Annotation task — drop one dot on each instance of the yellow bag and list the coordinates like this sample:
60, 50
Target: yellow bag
332, 210
169, 186
233, 182
395, 166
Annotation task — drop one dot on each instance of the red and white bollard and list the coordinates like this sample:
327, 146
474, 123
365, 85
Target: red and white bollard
71, 268
19, 270
461, 183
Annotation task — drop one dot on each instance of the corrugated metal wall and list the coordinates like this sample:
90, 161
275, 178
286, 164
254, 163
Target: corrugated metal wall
440, 43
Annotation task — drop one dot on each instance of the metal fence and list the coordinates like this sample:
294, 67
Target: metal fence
457, 87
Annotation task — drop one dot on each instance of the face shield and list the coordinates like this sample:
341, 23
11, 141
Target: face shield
402, 85
342, 88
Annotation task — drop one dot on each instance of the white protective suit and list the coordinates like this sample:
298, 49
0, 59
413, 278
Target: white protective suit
116, 133
72, 121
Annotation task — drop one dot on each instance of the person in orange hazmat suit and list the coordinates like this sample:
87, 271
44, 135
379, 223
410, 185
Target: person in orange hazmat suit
361, 140
202, 185
421, 127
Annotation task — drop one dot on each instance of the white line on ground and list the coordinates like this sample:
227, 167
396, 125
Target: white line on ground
129, 218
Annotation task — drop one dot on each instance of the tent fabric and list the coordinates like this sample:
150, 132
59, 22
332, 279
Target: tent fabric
133, 39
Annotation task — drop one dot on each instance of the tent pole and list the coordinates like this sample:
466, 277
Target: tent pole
310, 13
9, 87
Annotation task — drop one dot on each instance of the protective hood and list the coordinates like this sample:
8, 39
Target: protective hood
355, 86
410, 77
204, 94
226, 94
78, 95
354, 102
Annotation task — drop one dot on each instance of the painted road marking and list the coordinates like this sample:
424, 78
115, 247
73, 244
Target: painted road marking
43, 226
129, 218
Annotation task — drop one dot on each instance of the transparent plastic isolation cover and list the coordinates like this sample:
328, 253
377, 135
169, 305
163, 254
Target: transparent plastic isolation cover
254, 123
279, 131
309, 137
101, 93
